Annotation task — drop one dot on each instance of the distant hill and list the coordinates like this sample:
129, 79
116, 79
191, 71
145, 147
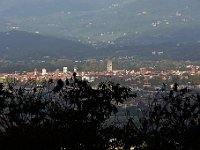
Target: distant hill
104, 21
24, 45
20, 45
107, 25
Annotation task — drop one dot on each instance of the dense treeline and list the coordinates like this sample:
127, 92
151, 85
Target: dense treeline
55, 117
73, 115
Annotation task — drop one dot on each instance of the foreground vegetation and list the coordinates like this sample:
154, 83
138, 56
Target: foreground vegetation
75, 116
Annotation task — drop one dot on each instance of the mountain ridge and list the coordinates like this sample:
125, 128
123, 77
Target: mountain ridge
103, 21
104, 24
23, 45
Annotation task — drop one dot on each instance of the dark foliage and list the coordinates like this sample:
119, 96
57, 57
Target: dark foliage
66, 115
57, 116
172, 121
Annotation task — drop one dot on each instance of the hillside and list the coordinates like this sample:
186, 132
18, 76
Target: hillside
114, 27
23, 45
20, 45
105, 22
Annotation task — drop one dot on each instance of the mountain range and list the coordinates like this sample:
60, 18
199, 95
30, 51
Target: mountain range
20, 45
104, 24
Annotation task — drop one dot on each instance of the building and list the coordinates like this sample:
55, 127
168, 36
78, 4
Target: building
143, 71
35, 72
75, 69
65, 69
109, 65
44, 71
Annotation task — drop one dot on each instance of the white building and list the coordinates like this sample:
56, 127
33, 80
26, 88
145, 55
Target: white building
44, 71
35, 72
75, 69
65, 69
89, 79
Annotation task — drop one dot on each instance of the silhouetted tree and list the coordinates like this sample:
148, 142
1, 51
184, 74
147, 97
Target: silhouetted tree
172, 121
77, 116
58, 117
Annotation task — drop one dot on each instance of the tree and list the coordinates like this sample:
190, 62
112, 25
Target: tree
58, 116
172, 121
76, 117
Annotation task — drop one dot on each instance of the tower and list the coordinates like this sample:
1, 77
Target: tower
109, 65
